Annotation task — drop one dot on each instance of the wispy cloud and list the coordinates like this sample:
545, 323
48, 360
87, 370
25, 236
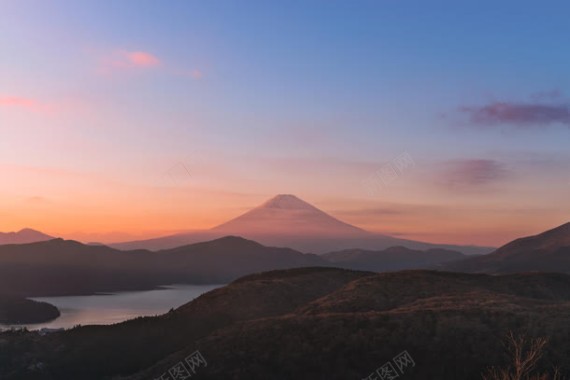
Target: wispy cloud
128, 61
16, 101
189, 73
545, 108
370, 212
472, 174
37, 200
124, 60
196, 74
522, 115
141, 59
24, 103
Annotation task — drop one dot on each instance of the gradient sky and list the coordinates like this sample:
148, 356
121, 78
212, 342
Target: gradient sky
124, 119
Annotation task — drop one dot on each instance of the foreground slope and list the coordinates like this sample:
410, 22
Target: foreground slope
451, 324
316, 323
100, 352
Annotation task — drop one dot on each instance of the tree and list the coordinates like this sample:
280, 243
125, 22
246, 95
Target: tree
524, 355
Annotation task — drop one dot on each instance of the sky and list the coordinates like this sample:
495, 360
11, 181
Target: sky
441, 121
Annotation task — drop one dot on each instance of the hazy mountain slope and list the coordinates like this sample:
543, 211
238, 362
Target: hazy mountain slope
167, 242
59, 267
547, 252
391, 259
24, 236
316, 323
287, 221
228, 258
548, 241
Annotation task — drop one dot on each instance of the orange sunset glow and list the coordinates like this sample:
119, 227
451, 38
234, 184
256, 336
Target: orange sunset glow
131, 136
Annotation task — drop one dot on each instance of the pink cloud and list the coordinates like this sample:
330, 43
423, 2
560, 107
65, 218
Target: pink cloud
16, 101
122, 60
189, 73
25, 103
196, 74
137, 60
141, 59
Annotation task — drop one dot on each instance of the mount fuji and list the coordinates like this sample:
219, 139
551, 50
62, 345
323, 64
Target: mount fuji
287, 221
287, 215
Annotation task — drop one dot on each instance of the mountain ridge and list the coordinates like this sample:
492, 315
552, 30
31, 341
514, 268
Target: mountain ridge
65, 267
548, 251
392, 259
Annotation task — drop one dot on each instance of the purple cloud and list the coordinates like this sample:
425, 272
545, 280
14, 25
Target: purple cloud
519, 114
472, 173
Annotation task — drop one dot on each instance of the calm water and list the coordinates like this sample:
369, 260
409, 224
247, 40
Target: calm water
118, 307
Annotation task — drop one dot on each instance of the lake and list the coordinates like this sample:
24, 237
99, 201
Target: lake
106, 309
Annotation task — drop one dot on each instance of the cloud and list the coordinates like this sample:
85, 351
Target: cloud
24, 103
141, 59
196, 74
521, 115
16, 101
124, 60
189, 73
472, 173
38, 200
118, 61
370, 212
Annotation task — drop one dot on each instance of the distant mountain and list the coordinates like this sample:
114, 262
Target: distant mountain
27, 235
548, 241
63, 267
546, 252
317, 323
391, 259
288, 215
287, 221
